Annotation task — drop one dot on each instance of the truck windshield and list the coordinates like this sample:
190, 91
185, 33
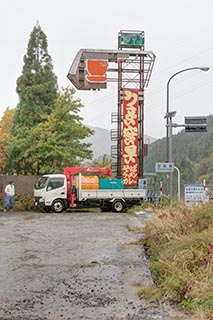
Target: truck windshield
42, 183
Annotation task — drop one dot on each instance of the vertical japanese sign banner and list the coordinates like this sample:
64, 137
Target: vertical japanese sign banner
130, 137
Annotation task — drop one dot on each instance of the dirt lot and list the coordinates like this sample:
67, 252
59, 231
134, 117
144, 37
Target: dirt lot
74, 266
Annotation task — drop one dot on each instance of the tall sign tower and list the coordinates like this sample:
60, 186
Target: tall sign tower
130, 66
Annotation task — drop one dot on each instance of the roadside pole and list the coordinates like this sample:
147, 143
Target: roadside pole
178, 171
161, 188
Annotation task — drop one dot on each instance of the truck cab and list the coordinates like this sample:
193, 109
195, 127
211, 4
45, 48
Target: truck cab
50, 192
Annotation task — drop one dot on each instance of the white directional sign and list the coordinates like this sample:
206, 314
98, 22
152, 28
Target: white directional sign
164, 167
193, 194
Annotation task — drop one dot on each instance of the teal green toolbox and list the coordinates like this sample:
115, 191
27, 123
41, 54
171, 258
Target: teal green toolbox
111, 183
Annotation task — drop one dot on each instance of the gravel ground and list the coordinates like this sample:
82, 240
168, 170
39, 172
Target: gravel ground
74, 266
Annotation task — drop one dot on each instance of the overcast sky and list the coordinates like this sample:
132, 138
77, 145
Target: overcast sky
179, 32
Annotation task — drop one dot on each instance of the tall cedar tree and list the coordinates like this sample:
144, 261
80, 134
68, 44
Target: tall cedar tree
48, 132
37, 90
37, 86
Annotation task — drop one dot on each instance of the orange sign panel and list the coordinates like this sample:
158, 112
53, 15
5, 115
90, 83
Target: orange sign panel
96, 70
130, 137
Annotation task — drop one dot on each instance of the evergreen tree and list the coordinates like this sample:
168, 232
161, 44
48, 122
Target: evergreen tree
37, 91
37, 86
47, 131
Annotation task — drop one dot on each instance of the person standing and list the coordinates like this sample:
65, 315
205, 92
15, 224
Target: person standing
9, 191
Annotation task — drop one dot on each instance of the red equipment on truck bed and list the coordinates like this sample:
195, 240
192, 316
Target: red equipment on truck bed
70, 171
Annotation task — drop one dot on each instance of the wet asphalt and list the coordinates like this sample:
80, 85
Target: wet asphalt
75, 266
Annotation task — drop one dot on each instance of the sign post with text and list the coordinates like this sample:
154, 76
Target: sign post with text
130, 137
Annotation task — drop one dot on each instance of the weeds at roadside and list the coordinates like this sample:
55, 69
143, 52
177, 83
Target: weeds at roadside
162, 203
152, 294
136, 242
133, 229
180, 246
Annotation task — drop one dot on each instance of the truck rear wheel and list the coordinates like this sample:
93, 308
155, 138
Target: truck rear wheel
117, 206
58, 206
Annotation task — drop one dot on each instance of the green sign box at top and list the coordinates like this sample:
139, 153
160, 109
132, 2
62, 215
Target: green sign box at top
131, 40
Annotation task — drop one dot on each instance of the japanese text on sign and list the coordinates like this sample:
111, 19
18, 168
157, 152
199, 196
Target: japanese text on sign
130, 137
164, 167
193, 194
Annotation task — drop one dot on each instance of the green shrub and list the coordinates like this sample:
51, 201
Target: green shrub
25, 203
21, 203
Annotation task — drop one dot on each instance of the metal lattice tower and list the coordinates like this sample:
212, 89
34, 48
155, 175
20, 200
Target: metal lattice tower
133, 72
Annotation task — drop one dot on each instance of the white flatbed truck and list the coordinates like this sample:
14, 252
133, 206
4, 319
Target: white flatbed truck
55, 192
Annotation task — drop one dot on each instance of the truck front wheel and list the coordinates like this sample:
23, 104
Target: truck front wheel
117, 206
57, 206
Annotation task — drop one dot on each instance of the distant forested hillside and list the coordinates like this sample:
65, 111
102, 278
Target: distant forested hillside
101, 141
192, 153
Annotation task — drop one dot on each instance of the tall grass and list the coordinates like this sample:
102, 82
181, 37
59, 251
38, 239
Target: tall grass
180, 245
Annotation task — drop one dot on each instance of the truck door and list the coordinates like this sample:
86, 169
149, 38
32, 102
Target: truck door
56, 189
